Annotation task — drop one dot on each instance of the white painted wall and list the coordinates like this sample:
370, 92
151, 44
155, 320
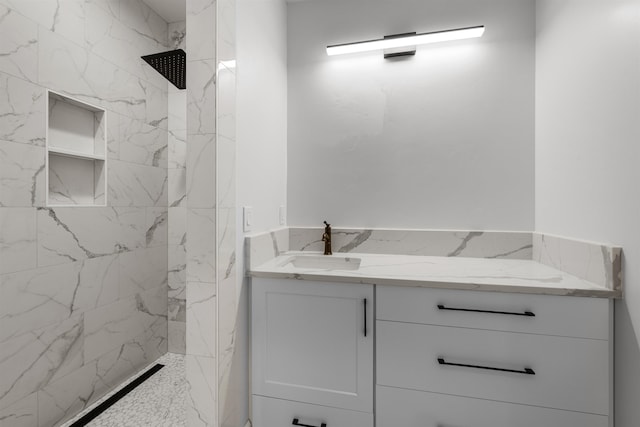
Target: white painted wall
588, 148
261, 95
441, 140
262, 109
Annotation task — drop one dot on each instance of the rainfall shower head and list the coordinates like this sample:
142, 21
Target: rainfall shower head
172, 65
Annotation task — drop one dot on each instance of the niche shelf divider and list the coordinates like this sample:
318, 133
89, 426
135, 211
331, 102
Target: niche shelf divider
76, 152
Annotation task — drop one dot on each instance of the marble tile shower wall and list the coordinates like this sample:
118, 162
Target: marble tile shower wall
83, 291
231, 364
177, 176
201, 306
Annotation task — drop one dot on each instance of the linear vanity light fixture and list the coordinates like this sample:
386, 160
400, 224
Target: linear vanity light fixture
409, 40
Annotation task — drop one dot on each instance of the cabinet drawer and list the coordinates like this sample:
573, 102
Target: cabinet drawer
269, 412
536, 314
408, 408
566, 373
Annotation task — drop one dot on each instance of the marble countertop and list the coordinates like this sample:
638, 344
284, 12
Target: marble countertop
478, 274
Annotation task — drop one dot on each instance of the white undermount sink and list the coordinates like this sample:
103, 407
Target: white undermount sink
322, 262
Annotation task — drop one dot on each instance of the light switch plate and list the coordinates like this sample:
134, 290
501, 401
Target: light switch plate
282, 215
247, 215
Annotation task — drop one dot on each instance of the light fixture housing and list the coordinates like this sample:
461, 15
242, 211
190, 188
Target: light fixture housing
406, 40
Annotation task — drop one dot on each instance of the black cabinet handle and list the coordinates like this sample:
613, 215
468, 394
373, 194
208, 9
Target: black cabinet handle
297, 423
510, 313
365, 317
525, 371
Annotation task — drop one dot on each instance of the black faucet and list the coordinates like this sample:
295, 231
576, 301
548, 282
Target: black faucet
326, 238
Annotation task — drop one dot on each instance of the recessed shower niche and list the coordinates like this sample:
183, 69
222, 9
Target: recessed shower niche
76, 152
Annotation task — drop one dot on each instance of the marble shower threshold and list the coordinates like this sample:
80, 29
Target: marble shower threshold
159, 401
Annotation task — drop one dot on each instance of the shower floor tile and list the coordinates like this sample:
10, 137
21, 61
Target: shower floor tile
158, 402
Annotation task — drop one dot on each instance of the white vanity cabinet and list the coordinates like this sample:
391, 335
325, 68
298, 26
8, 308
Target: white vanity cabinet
482, 359
443, 358
312, 353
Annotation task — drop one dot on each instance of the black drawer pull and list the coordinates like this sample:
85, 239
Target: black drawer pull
525, 314
365, 317
297, 423
526, 371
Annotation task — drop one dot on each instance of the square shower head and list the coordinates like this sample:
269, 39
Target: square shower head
172, 65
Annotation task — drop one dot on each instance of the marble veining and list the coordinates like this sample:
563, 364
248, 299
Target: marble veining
201, 176
178, 146
157, 227
262, 247
201, 105
62, 17
18, 45
598, 264
156, 106
201, 391
226, 31
201, 20
24, 413
593, 262
177, 202
226, 177
177, 308
18, 240
131, 184
201, 319
142, 270
66, 189
230, 362
177, 35
70, 68
227, 315
477, 244
116, 324
32, 359
518, 276
177, 193
205, 229
201, 245
70, 234
177, 247
121, 42
83, 291
35, 298
144, 21
57, 320
22, 111
176, 337
142, 143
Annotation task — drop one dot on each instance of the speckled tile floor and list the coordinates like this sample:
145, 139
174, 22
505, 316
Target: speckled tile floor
158, 402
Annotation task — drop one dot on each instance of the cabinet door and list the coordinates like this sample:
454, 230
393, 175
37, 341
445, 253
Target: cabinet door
310, 344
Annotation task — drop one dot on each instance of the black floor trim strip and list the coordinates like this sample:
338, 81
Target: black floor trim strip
95, 412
